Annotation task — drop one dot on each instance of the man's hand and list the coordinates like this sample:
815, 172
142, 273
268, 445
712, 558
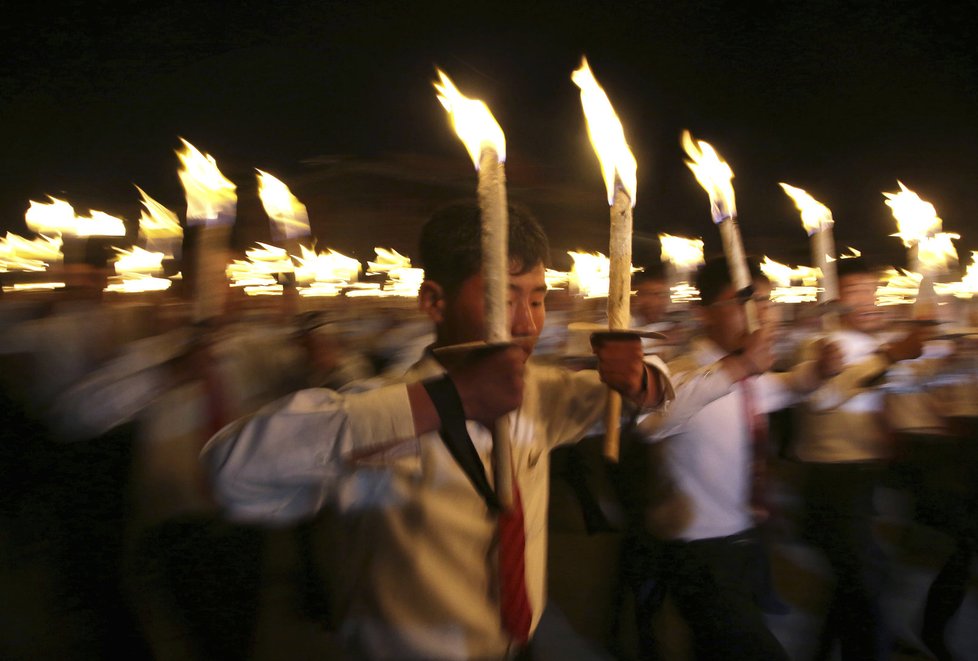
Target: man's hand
490, 382
622, 368
909, 346
756, 356
829, 359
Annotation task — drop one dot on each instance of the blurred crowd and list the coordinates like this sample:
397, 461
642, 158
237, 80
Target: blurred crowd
113, 542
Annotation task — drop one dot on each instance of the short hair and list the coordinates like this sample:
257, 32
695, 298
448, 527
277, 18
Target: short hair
651, 272
855, 266
713, 277
451, 244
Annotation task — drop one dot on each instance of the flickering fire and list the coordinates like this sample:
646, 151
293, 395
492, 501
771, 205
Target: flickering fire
852, 254
402, 278
791, 285
132, 283
713, 174
815, 216
472, 120
607, 135
967, 287
289, 217
159, 228
138, 261
35, 255
326, 267
934, 252
556, 279
211, 198
898, 287
590, 273
916, 219
684, 254
58, 218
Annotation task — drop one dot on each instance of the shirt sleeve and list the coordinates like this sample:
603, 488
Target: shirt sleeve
278, 464
693, 388
854, 379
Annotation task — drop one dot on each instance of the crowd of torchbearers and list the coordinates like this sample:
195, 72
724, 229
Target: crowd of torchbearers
825, 398
131, 391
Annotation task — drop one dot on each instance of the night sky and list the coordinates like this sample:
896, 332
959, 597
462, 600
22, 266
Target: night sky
841, 99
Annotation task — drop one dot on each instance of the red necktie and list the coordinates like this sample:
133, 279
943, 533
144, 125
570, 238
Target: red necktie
757, 428
514, 604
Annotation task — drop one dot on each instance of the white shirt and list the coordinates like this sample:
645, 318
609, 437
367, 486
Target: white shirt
709, 446
418, 543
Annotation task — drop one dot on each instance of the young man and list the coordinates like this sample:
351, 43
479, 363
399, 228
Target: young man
714, 451
420, 574
843, 440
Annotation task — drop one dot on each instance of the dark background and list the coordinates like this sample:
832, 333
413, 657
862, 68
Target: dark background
841, 99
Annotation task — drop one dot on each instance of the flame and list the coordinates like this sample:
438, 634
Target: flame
556, 279
138, 261
591, 273
132, 283
59, 218
606, 134
933, 252
472, 120
289, 217
20, 254
898, 287
326, 267
211, 197
916, 219
713, 174
33, 286
815, 216
685, 254
785, 280
402, 278
967, 287
853, 253
683, 292
159, 228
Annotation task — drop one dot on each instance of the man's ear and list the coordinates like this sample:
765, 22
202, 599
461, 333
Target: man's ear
431, 300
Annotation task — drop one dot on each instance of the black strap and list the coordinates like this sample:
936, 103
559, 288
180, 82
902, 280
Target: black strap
456, 437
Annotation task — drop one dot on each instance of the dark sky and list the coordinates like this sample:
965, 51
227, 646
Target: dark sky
839, 98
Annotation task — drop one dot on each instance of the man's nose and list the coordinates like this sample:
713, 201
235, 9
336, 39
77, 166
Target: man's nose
522, 322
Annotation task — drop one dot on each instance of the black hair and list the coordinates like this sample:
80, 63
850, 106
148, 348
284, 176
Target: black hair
713, 277
451, 244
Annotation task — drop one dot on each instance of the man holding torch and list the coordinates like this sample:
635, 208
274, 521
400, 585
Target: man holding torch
408, 466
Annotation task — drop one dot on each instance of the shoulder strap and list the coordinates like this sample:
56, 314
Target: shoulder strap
456, 437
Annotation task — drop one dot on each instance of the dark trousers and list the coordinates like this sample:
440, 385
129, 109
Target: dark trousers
839, 519
713, 583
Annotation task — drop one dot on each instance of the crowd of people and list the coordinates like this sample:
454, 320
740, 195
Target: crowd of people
145, 454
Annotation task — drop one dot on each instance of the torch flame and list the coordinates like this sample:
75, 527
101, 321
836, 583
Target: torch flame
606, 134
685, 254
815, 216
785, 280
289, 217
713, 174
159, 228
472, 120
211, 197
20, 254
59, 218
138, 261
916, 218
934, 252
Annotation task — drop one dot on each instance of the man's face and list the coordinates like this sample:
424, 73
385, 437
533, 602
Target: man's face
857, 295
651, 300
462, 316
725, 320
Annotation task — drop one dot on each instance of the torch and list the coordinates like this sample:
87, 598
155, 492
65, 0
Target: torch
817, 220
618, 168
917, 224
715, 176
160, 231
484, 140
211, 206
682, 255
289, 224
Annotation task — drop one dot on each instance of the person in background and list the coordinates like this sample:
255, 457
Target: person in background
844, 444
